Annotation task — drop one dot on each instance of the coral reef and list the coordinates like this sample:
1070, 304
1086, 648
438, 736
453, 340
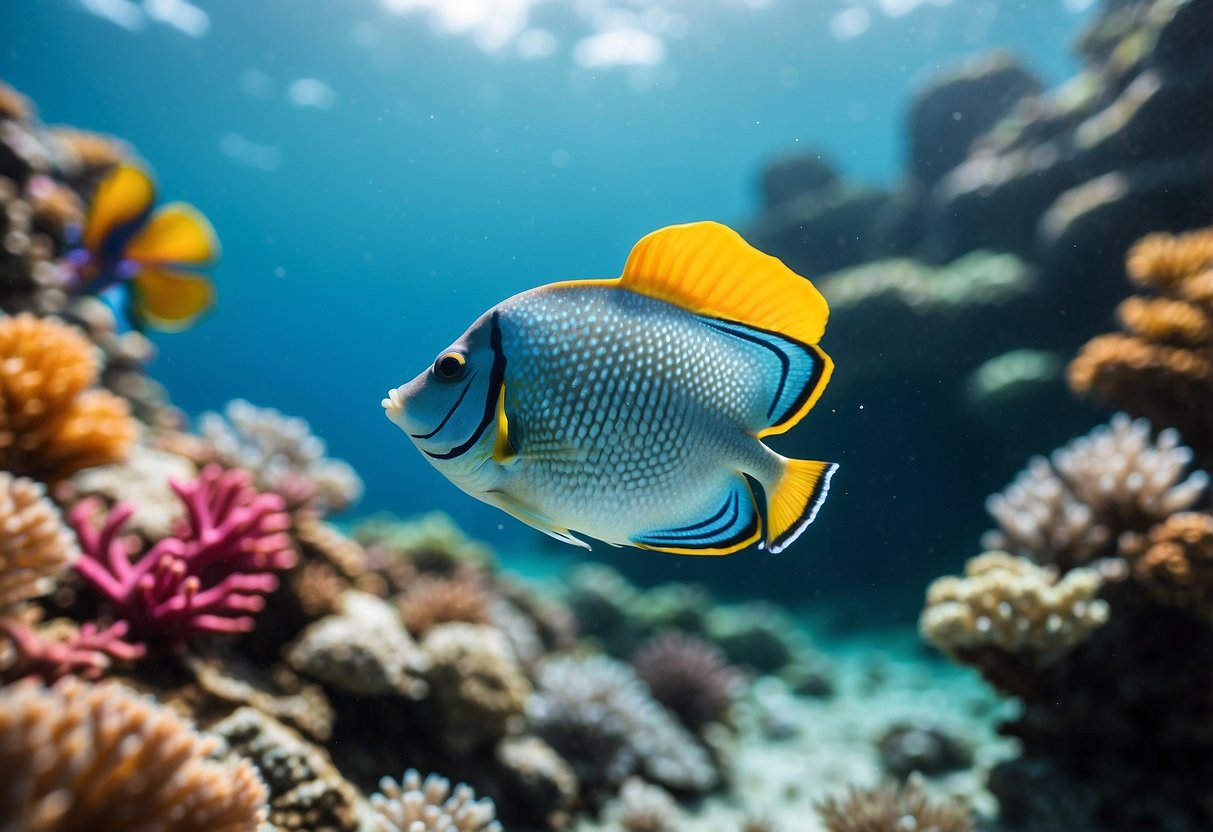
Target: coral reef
886, 808
205, 579
922, 747
432, 600
1161, 366
641, 807
35, 546
1174, 563
51, 424
430, 805
282, 453
64, 650
62, 747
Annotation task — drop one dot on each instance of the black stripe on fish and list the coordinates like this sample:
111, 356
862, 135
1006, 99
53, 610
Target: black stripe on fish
496, 376
450, 412
708, 539
696, 526
776, 343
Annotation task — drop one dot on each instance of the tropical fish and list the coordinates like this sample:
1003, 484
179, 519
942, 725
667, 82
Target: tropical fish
126, 246
631, 410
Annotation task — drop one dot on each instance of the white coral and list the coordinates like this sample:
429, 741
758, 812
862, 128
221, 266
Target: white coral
414, 805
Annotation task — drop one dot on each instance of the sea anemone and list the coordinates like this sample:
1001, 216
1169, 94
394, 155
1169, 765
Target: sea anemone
430, 805
35, 546
886, 808
688, 676
78, 756
51, 425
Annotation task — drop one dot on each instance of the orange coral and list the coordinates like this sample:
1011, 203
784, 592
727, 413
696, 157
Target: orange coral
1176, 567
93, 152
1162, 366
50, 425
432, 600
13, 105
79, 756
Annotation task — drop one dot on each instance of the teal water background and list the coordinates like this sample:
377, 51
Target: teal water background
433, 173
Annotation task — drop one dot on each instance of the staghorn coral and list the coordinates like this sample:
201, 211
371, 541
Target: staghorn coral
597, 715
61, 748
208, 577
1161, 367
282, 453
430, 805
1062, 511
362, 650
35, 546
434, 600
1175, 566
51, 425
688, 676
641, 807
477, 685
306, 792
1009, 604
887, 808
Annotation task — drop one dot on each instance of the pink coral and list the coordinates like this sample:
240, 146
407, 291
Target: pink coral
87, 652
208, 576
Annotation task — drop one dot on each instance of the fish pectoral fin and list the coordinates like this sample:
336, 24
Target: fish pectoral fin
170, 300
729, 524
534, 519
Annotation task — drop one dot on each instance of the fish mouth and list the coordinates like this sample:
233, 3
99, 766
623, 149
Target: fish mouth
394, 403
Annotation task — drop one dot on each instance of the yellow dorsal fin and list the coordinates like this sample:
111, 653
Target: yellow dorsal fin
503, 448
708, 269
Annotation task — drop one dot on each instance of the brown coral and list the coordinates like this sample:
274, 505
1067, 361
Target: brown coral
886, 808
86, 154
78, 756
1176, 567
1162, 366
432, 600
51, 425
13, 105
34, 544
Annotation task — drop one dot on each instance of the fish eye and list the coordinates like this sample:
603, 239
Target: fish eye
450, 366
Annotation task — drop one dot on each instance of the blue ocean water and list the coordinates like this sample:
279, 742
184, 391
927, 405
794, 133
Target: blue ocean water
382, 171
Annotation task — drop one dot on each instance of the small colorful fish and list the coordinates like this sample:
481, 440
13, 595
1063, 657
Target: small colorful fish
126, 246
632, 409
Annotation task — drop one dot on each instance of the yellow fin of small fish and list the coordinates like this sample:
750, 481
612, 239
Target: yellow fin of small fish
123, 196
793, 502
709, 269
176, 234
503, 449
169, 300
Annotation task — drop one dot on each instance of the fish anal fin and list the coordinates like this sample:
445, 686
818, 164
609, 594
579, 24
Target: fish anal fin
729, 525
793, 500
707, 268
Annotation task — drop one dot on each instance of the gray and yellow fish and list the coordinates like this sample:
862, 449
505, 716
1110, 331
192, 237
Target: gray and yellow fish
632, 409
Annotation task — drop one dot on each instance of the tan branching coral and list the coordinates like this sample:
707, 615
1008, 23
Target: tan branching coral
35, 545
430, 805
1161, 367
1012, 605
1061, 510
51, 425
434, 600
1176, 564
887, 808
476, 683
78, 756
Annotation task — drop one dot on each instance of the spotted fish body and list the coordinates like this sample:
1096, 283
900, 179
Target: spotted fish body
631, 410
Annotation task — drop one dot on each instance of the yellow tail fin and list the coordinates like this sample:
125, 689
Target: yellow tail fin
793, 502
